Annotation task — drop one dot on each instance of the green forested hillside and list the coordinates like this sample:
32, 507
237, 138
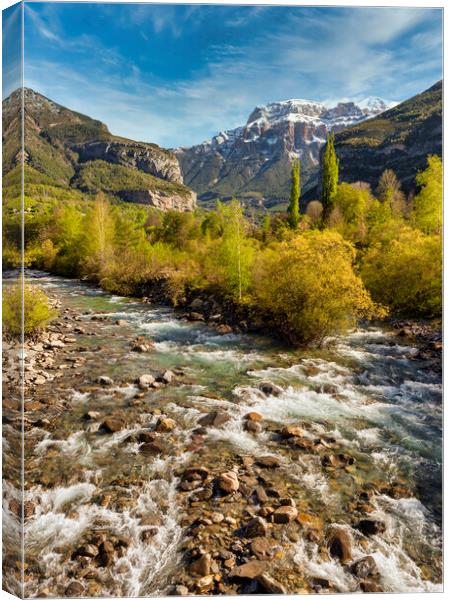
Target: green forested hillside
78, 152
400, 139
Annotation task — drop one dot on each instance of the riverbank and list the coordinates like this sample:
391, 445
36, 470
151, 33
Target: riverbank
165, 456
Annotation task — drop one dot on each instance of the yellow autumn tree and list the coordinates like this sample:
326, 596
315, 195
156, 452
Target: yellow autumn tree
308, 288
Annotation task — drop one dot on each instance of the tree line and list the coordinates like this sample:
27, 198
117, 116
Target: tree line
354, 254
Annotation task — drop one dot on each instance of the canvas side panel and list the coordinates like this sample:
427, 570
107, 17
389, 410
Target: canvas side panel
12, 215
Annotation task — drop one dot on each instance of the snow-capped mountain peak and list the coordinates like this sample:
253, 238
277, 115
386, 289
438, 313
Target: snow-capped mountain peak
273, 135
375, 104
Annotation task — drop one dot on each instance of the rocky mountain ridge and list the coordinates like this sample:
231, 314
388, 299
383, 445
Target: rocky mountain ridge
256, 157
59, 143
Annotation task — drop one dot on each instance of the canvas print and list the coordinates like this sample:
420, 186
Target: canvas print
222, 295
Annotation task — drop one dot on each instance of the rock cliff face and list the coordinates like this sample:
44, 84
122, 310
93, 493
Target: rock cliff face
60, 143
160, 199
143, 157
399, 139
257, 157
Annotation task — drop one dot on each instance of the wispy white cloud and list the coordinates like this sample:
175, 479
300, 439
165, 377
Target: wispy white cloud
338, 54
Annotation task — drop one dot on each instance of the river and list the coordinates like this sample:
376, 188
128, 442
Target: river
366, 396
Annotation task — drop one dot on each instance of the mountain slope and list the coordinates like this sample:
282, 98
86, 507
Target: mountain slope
257, 157
61, 143
400, 139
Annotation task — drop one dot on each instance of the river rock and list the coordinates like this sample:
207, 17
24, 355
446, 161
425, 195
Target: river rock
155, 447
340, 544
89, 550
253, 416
197, 304
142, 348
166, 377
224, 329
287, 502
164, 425
75, 588
261, 494
337, 460
364, 567
92, 415
262, 548
371, 587
202, 566
145, 381
253, 426
195, 473
55, 344
292, 431
145, 437
214, 419
181, 590
318, 584
104, 380
249, 570
257, 527
270, 585
195, 316
228, 482
106, 554
268, 462
28, 509
188, 486
205, 584
371, 526
285, 514
270, 389
112, 425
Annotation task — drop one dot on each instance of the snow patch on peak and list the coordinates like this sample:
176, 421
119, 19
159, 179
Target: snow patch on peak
375, 104
295, 123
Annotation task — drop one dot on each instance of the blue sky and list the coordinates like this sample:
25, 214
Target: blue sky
177, 74
12, 49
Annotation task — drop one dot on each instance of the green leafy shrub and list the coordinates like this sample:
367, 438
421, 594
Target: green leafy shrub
38, 312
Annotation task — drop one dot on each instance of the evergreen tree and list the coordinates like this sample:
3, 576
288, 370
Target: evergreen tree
329, 178
295, 193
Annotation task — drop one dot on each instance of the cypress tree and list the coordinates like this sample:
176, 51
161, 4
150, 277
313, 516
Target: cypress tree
329, 178
295, 193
